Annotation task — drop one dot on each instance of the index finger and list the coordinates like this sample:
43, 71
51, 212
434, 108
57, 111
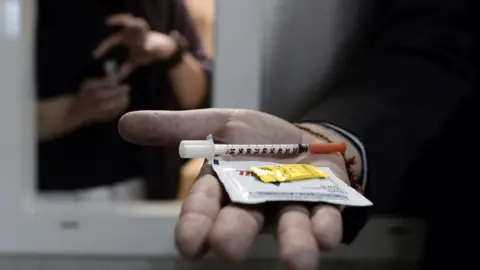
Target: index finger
159, 128
107, 44
120, 19
198, 214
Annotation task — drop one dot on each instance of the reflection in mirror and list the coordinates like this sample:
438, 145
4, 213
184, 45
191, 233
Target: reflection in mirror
97, 60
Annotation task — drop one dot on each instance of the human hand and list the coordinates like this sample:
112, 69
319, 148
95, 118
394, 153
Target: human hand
145, 46
208, 221
100, 100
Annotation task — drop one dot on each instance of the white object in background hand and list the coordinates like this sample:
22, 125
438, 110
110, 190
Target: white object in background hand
110, 68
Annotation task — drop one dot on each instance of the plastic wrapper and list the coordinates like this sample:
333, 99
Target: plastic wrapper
244, 187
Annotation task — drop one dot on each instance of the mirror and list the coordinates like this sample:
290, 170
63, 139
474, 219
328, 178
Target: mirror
96, 60
57, 223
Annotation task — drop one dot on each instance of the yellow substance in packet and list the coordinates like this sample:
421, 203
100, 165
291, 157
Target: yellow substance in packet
287, 172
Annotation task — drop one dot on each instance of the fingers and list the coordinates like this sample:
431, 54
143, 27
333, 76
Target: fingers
125, 70
127, 21
121, 19
96, 84
107, 44
111, 102
170, 127
230, 232
198, 213
327, 226
115, 105
112, 93
298, 246
234, 232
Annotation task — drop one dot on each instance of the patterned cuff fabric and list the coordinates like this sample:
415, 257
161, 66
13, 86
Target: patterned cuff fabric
352, 158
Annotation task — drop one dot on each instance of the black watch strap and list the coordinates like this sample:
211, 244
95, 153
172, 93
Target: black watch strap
177, 56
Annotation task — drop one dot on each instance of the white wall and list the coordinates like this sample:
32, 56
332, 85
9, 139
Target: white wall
237, 65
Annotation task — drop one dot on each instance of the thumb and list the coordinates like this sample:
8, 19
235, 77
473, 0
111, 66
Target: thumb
159, 128
125, 70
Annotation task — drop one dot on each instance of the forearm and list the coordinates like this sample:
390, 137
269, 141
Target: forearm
189, 82
56, 118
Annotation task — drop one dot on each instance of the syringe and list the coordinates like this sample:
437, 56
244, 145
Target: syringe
110, 68
208, 149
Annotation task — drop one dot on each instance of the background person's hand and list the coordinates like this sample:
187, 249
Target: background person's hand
208, 221
100, 100
145, 46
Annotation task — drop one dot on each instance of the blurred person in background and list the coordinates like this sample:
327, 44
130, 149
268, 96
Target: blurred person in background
406, 108
161, 65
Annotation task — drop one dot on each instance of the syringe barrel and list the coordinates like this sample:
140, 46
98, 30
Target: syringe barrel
259, 149
205, 149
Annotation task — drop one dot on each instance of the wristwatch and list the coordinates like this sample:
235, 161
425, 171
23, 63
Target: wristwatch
177, 57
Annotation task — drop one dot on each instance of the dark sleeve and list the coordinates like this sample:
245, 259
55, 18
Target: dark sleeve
53, 69
183, 23
397, 97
